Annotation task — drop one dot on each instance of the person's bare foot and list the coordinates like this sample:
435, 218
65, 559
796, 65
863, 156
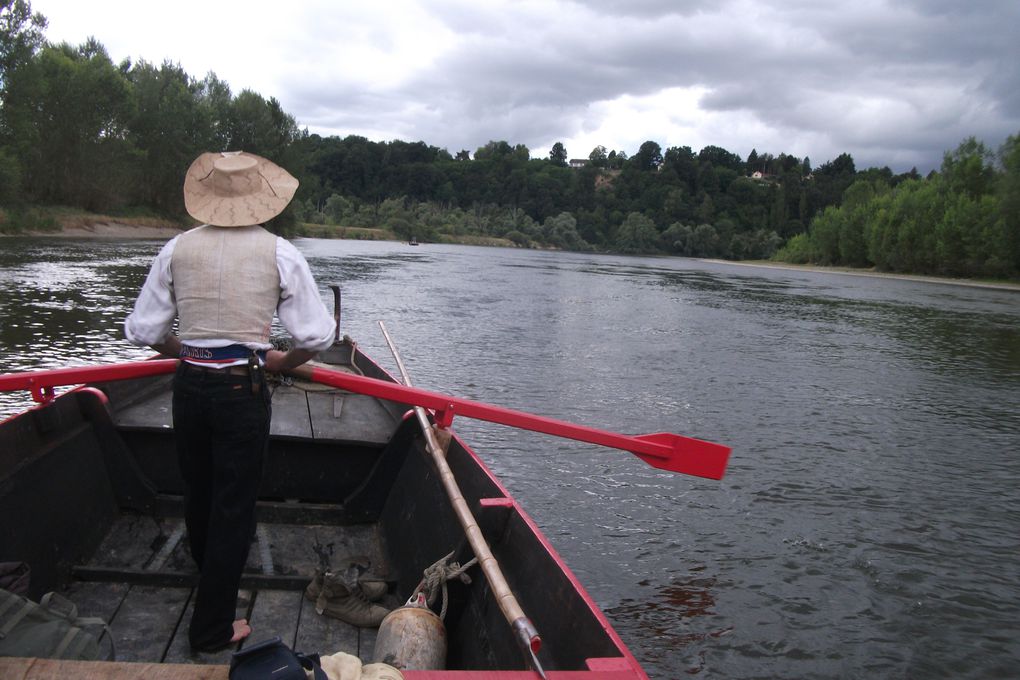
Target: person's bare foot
241, 630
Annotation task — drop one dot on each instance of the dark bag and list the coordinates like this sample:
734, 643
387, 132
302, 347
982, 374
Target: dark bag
49, 629
273, 660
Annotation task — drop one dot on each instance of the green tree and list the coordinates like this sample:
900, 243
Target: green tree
10, 179
561, 231
71, 152
681, 163
752, 162
1009, 202
637, 234
558, 155
260, 126
337, 209
21, 35
705, 241
969, 168
721, 158
169, 127
598, 156
825, 232
648, 157
677, 239
216, 102
798, 250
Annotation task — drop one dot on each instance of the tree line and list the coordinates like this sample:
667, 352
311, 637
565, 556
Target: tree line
78, 130
962, 221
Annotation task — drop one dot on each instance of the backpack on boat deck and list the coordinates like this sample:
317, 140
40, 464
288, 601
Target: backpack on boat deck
272, 658
49, 629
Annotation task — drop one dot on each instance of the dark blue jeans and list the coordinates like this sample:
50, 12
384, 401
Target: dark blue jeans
222, 434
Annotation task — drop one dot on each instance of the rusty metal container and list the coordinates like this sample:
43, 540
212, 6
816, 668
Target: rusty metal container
412, 637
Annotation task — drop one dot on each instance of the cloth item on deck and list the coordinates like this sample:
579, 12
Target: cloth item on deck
343, 666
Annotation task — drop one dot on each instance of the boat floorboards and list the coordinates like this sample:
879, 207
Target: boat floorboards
127, 587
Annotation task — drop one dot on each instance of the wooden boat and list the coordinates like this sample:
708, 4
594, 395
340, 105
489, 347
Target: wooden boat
92, 500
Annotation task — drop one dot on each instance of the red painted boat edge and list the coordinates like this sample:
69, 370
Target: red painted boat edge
624, 666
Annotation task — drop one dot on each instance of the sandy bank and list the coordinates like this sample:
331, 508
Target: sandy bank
110, 230
999, 285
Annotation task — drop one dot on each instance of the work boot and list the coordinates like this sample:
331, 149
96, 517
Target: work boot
341, 600
374, 587
313, 589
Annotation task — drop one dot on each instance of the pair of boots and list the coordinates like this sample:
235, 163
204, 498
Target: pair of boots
349, 596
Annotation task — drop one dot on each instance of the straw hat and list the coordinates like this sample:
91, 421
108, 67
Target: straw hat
236, 189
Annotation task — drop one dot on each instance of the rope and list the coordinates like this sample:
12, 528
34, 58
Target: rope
436, 577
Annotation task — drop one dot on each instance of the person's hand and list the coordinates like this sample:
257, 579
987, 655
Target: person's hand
276, 361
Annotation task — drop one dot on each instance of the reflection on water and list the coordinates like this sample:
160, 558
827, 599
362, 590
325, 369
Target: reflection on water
668, 614
868, 524
64, 303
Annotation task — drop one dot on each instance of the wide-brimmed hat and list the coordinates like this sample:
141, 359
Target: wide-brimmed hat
236, 189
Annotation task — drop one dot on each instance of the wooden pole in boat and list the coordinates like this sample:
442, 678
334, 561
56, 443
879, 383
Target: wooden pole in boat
525, 631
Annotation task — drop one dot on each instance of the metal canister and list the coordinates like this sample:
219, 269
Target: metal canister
412, 637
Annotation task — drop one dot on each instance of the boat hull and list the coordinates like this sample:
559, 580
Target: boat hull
344, 472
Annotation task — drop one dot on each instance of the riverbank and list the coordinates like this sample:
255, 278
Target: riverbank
74, 224
850, 271
116, 230
60, 222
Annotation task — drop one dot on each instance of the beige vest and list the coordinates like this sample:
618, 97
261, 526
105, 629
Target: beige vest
226, 283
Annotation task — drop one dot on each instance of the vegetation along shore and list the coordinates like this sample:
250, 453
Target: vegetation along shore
143, 124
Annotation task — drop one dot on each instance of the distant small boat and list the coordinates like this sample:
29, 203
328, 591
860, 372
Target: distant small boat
413, 241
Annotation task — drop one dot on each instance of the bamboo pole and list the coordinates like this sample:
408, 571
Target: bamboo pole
525, 631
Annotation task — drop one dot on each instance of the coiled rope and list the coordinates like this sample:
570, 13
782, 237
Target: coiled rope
436, 577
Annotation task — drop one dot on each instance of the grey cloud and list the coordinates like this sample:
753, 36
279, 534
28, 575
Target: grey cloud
809, 72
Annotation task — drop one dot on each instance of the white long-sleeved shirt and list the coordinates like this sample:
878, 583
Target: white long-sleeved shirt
300, 308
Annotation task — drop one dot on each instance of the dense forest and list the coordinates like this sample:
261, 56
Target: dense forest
78, 130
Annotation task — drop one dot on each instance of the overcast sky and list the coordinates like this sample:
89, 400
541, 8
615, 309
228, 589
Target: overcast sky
893, 83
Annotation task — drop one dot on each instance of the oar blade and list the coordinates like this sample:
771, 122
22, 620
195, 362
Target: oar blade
688, 455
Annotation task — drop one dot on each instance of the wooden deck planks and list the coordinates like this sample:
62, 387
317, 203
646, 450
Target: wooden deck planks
146, 622
290, 413
179, 649
57, 669
154, 411
349, 417
149, 623
300, 549
129, 543
275, 613
323, 635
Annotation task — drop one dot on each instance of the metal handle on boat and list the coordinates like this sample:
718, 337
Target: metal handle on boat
336, 312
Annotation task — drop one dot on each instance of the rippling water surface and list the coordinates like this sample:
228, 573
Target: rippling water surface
869, 524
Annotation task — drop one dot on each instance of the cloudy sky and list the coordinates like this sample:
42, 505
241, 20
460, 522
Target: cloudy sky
892, 82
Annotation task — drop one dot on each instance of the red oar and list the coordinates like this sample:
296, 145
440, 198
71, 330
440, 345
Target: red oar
662, 450
41, 383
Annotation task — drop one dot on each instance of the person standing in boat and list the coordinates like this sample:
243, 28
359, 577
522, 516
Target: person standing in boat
224, 281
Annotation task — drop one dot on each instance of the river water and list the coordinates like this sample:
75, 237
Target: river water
869, 523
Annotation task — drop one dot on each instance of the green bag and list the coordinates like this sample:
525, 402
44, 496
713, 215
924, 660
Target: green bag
49, 629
